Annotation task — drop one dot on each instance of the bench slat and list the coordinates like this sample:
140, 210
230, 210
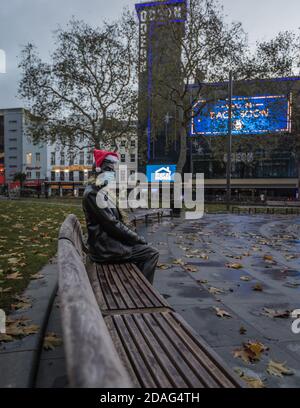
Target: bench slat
123, 287
165, 347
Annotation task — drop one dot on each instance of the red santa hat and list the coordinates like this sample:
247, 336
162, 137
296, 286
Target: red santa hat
101, 155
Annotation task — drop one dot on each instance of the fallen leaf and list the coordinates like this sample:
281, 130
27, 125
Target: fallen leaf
234, 266
283, 314
191, 268
253, 382
6, 290
222, 313
251, 352
14, 276
278, 369
215, 291
178, 262
37, 276
51, 341
242, 330
246, 278
268, 258
258, 288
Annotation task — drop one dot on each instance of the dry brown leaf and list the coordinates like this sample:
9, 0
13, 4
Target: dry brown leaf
179, 262
234, 266
282, 314
268, 258
251, 352
222, 313
163, 266
203, 281
37, 276
51, 341
14, 276
278, 369
253, 382
191, 268
258, 288
215, 291
6, 290
246, 278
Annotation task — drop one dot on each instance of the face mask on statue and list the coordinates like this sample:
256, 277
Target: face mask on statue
106, 177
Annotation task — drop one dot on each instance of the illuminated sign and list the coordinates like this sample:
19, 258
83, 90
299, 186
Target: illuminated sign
161, 173
250, 116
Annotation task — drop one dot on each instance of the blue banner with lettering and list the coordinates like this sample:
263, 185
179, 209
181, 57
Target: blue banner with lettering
161, 173
250, 116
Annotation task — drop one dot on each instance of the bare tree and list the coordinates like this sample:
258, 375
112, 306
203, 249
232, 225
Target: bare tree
87, 91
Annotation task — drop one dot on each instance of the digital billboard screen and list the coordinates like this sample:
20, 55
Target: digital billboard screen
250, 116
161, 173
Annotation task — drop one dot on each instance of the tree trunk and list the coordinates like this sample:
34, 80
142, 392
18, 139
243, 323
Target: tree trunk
298, 171
183, 149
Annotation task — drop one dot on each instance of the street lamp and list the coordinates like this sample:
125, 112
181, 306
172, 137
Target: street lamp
229, 142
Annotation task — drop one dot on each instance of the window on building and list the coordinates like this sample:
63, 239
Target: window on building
132, 158
28, 158
62, 159
38, 157
71, 176
28, 175
53, 159
89, 159
123, 143
71, 160
12, 130
12, 122
52, 175
12, 157
12, 148
62, 176
132, 143
90, 173
37, 175
123, 158
81, 176
132, 172
81, 158
13, 139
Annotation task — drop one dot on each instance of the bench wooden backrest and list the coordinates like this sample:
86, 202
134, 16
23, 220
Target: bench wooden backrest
92, 360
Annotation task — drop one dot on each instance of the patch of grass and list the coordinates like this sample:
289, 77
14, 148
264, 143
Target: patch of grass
28, 239
215, 208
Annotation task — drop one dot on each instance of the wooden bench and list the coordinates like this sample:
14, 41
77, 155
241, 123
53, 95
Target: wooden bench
120, 332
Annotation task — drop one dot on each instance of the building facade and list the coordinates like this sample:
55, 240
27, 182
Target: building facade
17, 152
51, 167
68, 170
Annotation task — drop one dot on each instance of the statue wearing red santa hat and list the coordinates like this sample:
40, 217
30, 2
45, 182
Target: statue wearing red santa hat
110, 240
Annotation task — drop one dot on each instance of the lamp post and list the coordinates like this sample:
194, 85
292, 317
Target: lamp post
229, 142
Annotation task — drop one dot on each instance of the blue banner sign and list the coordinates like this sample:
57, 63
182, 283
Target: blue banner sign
161, 173
250, 116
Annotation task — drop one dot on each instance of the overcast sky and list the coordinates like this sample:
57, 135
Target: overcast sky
23, 21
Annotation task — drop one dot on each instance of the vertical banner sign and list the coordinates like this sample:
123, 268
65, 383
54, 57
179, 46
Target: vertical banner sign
151, 15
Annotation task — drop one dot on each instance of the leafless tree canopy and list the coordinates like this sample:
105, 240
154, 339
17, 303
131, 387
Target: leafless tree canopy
87, 91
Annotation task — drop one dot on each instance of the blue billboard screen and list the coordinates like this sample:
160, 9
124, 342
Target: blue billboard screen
250, 116
161, 172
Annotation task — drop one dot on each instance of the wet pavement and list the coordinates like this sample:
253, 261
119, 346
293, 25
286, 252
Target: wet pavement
266, 249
